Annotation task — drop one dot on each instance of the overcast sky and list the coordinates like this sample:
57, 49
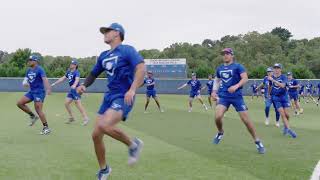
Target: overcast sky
70, 27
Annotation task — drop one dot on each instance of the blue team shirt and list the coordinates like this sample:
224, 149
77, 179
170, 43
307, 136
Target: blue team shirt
276, 90
293, 82
195, 85
119, 65
309, 87
229, 76
72, 75
149, 81
35, 79
301, 88
254, 87
210, 85
266, 82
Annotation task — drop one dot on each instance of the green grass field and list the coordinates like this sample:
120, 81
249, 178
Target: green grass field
177, 144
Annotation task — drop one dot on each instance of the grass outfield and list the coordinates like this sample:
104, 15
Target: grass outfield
177, 144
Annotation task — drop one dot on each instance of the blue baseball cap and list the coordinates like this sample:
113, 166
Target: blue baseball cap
277, 65
289, 73
227, 50
114, 26
33, 58
74, 61
269, 69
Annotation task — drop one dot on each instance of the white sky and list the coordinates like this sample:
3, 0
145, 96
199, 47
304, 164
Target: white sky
70, 27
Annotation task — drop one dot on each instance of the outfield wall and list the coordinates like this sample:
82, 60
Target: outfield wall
163, 86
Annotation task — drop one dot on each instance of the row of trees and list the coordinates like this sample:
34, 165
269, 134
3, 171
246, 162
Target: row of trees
255, 50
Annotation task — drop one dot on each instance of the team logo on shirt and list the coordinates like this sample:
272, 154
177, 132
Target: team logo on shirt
31, 76
149, 81
109, 64
226, 75
70, 77
193, 83
275, 85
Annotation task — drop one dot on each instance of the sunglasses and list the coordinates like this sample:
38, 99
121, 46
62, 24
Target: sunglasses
226, 53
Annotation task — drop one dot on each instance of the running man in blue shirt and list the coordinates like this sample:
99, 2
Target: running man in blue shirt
280, 97
230, 78
209, 86
38, 83
309, 89
254, 90
293, 86
267, 98
195, 85
151, 92
73, 76
125, 71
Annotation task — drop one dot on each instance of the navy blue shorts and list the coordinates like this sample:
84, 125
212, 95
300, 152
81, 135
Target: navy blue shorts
281, 101
293, 96
193, 94
72, 94
115, 102
209, 93
36, 96
151, 93
237, 102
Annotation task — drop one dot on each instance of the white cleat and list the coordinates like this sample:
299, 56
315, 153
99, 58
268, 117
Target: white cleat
162, 111
267, 122
45, 131
85, 122
277, 124
134, 153
104, 174
33, 120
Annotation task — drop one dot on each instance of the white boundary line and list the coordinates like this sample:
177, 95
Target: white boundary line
316, 172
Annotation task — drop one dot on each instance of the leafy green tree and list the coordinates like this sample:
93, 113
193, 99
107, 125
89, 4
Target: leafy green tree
283, 33
20, 58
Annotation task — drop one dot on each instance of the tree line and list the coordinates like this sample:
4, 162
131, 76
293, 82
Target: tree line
256, 51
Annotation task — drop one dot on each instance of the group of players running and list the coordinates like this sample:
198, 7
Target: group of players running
126, 71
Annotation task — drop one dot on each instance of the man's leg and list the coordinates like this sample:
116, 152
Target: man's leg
190, 103
105, 124
246, 120
22, 105
156, 99
210, 101
147, 103
267, 103
202, 103
38, 107
82, 111
67, 104
220, 110
219, 114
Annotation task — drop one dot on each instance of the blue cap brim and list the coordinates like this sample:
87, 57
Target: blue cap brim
105, 29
